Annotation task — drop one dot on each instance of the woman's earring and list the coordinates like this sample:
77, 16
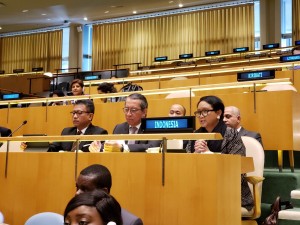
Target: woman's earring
218, 117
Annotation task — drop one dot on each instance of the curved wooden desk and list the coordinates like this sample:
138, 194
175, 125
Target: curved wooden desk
198, 187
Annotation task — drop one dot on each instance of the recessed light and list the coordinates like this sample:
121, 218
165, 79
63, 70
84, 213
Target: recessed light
106, 12
44, 14
48, 19
25, 10
180, 5
134, 12
85, 18
0, 28
171, 2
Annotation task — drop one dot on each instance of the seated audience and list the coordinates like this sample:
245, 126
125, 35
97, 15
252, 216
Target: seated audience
232, 118
54, 94
77, 87
4, 132
106, 88
98, 177
97, 208
82, 116
210, 112
177, 110
135, 109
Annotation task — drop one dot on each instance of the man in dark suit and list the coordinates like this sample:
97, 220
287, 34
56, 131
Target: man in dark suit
4, 132
82, 116
135, 109
232, 118
99, 177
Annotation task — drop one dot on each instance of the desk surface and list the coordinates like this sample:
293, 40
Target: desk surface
198, 187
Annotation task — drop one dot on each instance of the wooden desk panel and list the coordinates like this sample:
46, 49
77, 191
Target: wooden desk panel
197, 188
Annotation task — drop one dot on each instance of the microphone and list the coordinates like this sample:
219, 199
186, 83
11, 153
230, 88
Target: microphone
24, 122
7, 147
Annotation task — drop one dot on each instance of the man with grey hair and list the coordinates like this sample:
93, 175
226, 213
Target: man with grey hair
135, 109
232, 118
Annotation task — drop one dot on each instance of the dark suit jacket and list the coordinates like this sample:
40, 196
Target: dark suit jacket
130, 219
67, 146
5, 132
139, 146
244, 132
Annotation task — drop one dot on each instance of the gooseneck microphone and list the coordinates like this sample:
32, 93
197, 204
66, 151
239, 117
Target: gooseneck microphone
7, 147
24, 122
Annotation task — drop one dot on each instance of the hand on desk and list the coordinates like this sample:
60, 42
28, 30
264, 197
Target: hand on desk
95, 146
23, 146
201, 147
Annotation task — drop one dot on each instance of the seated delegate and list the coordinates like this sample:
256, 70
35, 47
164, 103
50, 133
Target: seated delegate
210, 112
82, 116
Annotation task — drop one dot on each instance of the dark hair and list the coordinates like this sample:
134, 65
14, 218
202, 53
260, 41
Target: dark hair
59, 93
295, 48
107, 88
100, 174
106, 205
89, 104
77, 81
137, 96
215, 102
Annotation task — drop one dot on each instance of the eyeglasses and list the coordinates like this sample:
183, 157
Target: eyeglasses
131, 110
203, 113
78, 113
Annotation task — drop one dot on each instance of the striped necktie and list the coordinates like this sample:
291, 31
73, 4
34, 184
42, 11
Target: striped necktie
132, 130
74, 146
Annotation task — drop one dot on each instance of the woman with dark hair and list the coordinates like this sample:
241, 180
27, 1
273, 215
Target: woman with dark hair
210, 111
77, 87
105, 88
94, 208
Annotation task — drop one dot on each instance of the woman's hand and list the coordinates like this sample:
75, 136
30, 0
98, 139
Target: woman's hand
201, 146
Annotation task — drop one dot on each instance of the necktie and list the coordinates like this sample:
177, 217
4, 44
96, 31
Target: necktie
74, 146
132, 130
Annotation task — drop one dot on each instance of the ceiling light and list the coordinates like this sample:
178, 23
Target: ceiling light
180, 5
171, 2
44, 14
48, 19
0, 28
134, 12
85, 18
25, 10
106, 12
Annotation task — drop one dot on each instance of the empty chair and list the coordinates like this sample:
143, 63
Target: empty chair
255, 150
45, 218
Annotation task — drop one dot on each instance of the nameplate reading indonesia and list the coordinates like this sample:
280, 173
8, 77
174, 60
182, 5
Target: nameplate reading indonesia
168, 124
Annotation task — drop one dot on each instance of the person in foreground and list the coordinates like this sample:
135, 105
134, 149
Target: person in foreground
210, 112
95, 208
135, 109
98, 177
82, 116
232, 118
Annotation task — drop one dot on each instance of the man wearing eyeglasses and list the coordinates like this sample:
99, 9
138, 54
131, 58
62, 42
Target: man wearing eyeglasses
232, 118
82, 116
135, 109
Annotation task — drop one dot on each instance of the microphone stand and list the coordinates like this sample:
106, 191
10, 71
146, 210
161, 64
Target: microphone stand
7, 146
